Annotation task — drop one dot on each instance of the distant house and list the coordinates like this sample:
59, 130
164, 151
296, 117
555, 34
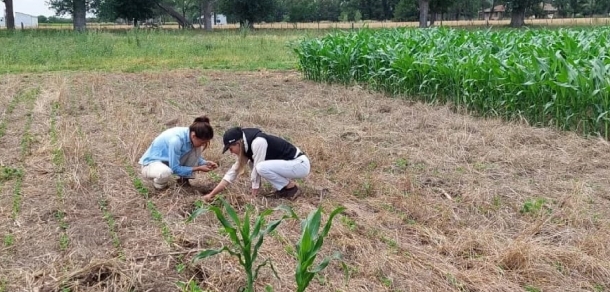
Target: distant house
549, 10
498, 13
22, 20
221, 19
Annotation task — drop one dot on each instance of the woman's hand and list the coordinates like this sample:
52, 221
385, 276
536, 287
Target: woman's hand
204, 168
208, 197
211, 164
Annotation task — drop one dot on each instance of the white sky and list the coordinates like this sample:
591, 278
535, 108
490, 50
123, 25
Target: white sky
32, 7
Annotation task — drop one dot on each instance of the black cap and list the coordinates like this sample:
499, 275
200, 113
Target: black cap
231, 136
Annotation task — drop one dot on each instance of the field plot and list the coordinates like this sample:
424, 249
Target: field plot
435, 201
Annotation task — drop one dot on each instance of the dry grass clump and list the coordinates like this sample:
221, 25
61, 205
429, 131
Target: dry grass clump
111, 275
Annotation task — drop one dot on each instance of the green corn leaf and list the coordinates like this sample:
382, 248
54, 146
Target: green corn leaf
196, 213
210, 252
309, 246
245, 229
330, 220
288, 210
231, 212
267, 261
257, 226
325, 262
228, 227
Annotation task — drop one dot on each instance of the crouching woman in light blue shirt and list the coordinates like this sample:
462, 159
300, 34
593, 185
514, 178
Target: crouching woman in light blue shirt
178, 151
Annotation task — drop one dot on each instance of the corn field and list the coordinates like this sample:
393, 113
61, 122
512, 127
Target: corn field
549, 77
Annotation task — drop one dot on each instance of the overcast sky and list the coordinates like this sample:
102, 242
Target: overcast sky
31, 7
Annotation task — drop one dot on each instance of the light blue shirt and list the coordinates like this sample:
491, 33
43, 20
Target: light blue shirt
170, 146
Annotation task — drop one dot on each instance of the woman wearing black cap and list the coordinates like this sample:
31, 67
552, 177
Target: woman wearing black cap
270, 157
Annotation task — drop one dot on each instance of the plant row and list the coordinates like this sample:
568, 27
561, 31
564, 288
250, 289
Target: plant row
553, 78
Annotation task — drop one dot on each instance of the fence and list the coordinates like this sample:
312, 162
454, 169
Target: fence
361, 24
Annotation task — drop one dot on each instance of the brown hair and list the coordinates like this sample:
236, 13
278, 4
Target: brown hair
202, 129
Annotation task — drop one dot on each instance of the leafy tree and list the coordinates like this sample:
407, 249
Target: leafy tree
438, 7
301, 10
247, 12
518, 8
329, 9
406, 10
601, 7
136, 10
42, 19
76, 8
563, 7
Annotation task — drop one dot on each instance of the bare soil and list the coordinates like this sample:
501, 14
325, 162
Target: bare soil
436, 201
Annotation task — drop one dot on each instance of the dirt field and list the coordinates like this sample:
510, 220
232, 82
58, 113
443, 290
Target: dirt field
436, 201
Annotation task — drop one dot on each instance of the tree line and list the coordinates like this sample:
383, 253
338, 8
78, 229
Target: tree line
248, 12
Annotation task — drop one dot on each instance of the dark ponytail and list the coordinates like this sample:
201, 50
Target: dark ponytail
202, 128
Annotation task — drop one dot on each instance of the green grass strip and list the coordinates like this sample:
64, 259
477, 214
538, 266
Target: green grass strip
150, 205
58, 159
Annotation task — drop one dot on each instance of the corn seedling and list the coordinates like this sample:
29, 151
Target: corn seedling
190, 286
9, 239
214, 176
246, 238
309, 246
199, 209
17, 196
8, 173
116, 242
531, 289
154, 212
9, 109
533, 206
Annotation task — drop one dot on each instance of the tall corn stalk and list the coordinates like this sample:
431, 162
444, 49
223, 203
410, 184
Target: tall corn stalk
555, 78
246, 238
309, 246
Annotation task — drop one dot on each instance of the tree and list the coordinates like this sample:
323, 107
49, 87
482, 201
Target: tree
136, 10
182, 21
77, 8
10, 14
563, 7
518, 7
42, 19
247, 12
79, 17
301, 10
406, 10
206, 8
423, 13
438, 7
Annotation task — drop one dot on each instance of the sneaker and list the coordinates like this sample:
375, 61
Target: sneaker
289, 194
183, 182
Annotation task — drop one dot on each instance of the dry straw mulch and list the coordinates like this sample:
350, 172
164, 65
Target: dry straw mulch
436, 201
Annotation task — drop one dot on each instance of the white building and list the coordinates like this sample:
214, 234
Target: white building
221, 19
21, 20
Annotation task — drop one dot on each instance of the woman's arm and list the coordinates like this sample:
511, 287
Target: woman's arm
229, 177
219, 188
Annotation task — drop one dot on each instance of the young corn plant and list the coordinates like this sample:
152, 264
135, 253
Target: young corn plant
246, 238
309, 246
